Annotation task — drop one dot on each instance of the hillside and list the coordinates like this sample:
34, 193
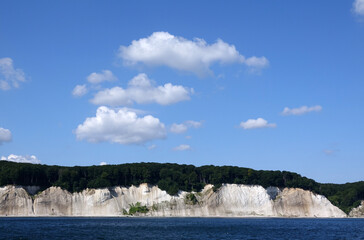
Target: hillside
171, 178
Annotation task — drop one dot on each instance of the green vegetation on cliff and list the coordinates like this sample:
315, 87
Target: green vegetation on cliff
191, 199
172, 178
136, 209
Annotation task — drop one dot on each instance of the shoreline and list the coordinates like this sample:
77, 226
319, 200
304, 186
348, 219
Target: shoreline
159, 217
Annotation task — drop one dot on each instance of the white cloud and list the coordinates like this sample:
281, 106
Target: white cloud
358, 7
182, 127
141, 90
105, 75
182, 147
79, 90
257, 62
151, 147
5, 135
10, 77
21, 159
301, 110
178, 128
257, 123
103, 163
120, 126
193, 124
164, 49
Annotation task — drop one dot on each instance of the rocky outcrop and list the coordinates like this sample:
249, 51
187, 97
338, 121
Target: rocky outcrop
15, 201
295, 202
231, 200
53, 201
358, 211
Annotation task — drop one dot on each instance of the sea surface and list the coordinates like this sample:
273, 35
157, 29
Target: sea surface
180, 228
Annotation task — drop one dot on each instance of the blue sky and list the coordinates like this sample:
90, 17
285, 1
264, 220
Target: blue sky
261, 84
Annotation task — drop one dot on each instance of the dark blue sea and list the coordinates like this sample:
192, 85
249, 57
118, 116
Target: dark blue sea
180, 228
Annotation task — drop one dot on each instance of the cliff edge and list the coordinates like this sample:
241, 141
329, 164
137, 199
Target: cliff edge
358, 211
231, 200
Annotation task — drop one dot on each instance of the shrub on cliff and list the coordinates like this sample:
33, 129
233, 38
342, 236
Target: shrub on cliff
137, 208
191, 199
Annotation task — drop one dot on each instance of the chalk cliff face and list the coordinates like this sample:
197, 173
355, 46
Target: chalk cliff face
296, 202
231, 200
358, 211
15, 201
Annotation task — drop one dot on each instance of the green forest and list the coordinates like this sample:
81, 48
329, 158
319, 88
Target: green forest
171, 178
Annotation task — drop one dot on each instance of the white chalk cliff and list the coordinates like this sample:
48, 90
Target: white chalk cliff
231, 200
358, 211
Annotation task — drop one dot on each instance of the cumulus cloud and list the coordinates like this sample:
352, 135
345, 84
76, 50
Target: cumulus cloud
5, 135
182, 147
120, 126
103, 163
105, 75
196, 56
256, 63
9, 76
301, 110
79, 90
182, 127
21, 159
257, 123
358, 7
142, 90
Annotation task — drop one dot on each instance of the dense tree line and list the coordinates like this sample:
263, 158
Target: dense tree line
171, 177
